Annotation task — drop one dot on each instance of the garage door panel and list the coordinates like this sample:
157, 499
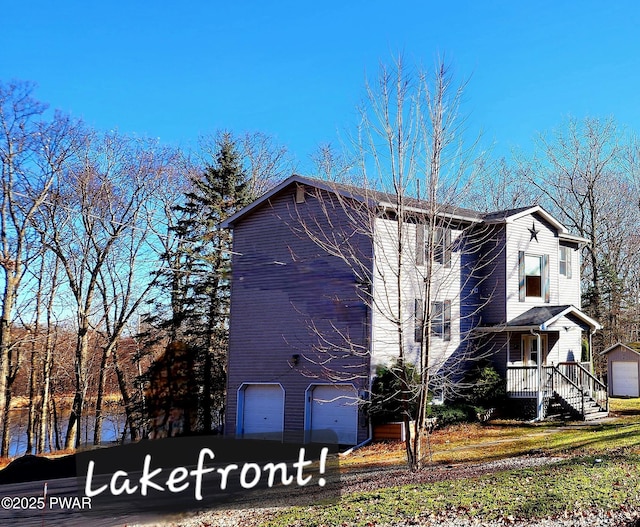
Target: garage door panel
334, 414
263, 411
625, 379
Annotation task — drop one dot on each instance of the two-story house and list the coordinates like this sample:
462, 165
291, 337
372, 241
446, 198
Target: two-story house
327, 285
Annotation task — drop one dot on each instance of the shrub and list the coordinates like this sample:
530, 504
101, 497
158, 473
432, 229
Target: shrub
448, 414
387, 395
486, 387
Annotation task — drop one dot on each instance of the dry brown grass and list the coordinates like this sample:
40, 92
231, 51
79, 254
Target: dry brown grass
498, 439
20, 402
456, 444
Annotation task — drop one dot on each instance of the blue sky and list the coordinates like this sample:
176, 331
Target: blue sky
296, 70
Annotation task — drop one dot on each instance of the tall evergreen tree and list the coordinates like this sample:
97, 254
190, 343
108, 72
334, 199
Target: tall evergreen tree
221, 191
198, 273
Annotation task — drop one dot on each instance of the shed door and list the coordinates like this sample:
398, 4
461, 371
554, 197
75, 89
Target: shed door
625, 379
334, 407
263, 411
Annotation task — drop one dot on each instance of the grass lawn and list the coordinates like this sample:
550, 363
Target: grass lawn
600, 469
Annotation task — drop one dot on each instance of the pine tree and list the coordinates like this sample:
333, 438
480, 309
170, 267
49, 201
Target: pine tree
222, 190
198, 274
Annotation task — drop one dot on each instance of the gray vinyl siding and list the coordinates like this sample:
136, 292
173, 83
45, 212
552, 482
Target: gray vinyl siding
501, 286
385, 308
497, 346
506, 348
568, 347
282, 285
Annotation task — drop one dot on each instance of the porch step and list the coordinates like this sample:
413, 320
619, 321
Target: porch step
573, 404
593, 416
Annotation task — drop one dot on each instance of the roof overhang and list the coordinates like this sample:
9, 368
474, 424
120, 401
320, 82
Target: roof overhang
367, 197
521, 213
319, 184
573, 238
542, 319
381, 201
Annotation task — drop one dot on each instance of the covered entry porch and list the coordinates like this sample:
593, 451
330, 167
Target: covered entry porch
543, 362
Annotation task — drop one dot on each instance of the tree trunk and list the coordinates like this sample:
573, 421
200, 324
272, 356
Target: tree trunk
6, 425
102, 380
5, 352
126, 397
72, 439
47, 363
33, 400
56, 428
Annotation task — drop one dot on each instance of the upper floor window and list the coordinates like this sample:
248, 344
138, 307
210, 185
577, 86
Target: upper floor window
440, 246
533, 275
533, 271
441, 249
440, 319
565, 262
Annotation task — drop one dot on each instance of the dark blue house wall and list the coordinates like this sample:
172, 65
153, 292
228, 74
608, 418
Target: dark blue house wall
493, 286
283, 284
490, 263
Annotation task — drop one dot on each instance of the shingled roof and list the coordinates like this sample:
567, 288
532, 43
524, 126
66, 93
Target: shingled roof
388, 200
541, 317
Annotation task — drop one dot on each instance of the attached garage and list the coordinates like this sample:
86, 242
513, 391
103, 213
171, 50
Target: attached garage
332, 413
261, 411
623, 371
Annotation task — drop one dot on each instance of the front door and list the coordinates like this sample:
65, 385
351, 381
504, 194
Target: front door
529, 349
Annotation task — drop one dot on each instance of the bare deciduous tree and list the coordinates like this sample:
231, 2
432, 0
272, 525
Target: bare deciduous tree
584, 173
412, 251
93, 208
122, 280
33, 153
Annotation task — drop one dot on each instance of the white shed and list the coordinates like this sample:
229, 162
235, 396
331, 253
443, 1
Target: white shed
623, 371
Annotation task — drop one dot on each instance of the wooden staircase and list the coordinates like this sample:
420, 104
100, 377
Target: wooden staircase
571, 389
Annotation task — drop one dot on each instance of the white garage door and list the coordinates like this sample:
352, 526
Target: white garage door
262, 411
625, 379
334, 407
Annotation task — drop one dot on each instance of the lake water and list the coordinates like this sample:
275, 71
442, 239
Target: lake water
112, 427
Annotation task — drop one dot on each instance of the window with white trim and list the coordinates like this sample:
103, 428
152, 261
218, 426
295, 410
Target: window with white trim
529, 351
440, 319
533, 271
533, 275
418, 319
564, 264
442, 247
